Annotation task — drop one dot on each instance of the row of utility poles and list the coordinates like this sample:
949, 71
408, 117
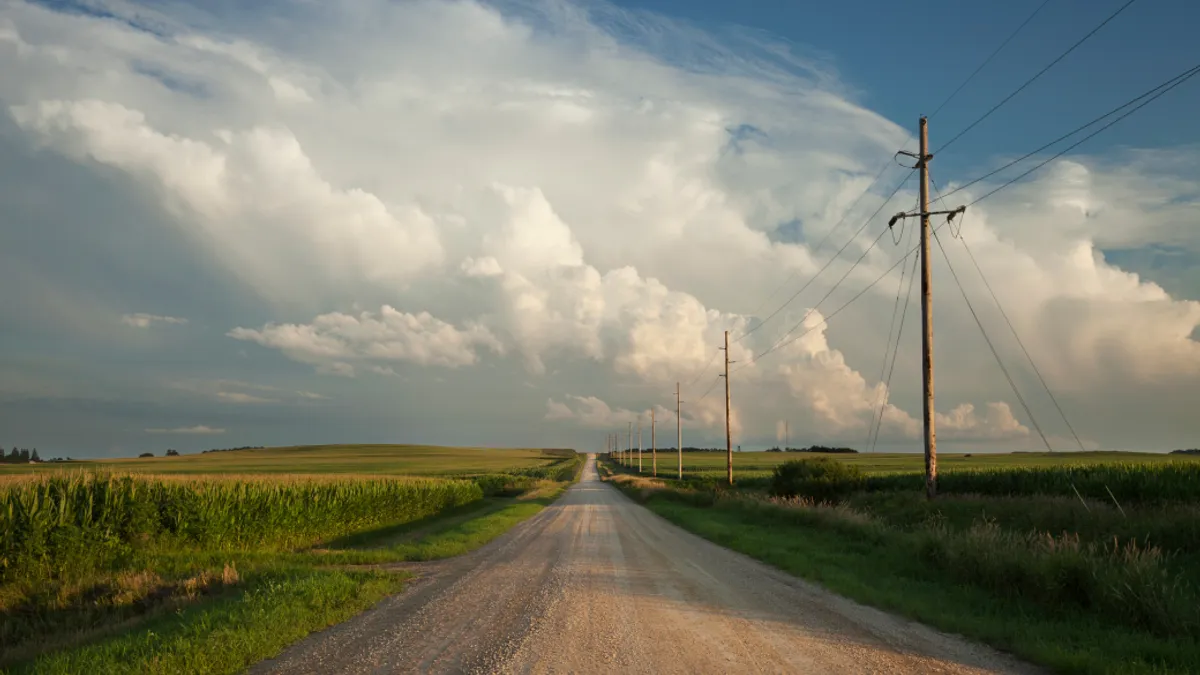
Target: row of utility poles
922, 164
625, 454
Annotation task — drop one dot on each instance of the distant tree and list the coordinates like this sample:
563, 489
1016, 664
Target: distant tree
14, 456
146, 454
34, 457
25, 456
172, 453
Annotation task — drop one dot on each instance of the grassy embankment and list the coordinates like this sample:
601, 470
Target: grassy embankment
1083, 568
209, 574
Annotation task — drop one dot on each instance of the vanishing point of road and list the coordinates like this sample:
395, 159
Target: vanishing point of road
597, 584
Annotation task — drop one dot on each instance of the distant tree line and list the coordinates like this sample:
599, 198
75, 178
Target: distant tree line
816, 448
170, 453
244, 447
19, 456
1190, 451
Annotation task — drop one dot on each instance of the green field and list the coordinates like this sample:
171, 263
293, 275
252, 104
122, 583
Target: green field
410, 460
760, 464
210, 563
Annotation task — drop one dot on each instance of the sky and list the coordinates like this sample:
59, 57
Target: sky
522, 223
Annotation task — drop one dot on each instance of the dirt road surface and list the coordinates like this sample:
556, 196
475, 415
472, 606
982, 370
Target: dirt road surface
598, 584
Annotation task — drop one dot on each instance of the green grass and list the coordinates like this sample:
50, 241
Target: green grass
231, 632
885, 568
411, 460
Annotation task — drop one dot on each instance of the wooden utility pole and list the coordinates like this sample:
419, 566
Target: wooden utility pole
629, 444
927, 319
927, 305
728, 432
678, 432
785, 436
639, 443
653, 447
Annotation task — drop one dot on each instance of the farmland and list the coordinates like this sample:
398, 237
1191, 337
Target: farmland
760, 464
104, 571
411, 460
1085, 563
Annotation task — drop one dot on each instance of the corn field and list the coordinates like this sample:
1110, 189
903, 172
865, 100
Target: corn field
1165, 483
60, 526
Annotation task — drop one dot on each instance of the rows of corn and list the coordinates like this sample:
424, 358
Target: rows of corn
60, 526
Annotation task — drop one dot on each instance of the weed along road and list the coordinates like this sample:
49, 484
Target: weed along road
597, 584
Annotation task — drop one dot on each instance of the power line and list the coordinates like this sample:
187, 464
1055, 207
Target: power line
834, 256
709, 390
992, 347
826, 319
1184, 78
1031, 80
817, 248
705, 370
873, 430
827, 294
990, 57
1037, 371
886, 164
1174, 81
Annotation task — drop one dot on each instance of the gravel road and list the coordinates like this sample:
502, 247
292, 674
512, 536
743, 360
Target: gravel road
598, 584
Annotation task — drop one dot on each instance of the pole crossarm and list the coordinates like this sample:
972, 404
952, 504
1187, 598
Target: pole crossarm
904, 214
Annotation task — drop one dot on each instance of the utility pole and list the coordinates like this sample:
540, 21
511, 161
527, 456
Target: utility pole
728, 432
639, 443
927, 319
629, 444
678, 432
653, 447
785, 436
927, 306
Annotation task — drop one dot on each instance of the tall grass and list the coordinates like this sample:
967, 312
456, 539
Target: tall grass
60, 527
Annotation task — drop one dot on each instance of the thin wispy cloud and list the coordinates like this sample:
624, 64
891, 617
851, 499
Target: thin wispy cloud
147, 320
198, 430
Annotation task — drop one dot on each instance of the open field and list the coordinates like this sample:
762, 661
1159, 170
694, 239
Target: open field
207, 571
1087, 567
411, 460
760, 464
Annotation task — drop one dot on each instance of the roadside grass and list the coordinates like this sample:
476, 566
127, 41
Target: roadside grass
229, 633
1076, 602
165, 607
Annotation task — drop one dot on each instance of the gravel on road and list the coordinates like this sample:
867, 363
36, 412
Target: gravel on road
597, 584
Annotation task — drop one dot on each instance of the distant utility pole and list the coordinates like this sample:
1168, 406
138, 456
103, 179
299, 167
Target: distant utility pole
639, 443
653, 447
678, 432
927, 306
629, 444
785, 436
728, 432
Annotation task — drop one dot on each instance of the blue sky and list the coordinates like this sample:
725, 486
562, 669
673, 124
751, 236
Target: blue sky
522, 223
903, 59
